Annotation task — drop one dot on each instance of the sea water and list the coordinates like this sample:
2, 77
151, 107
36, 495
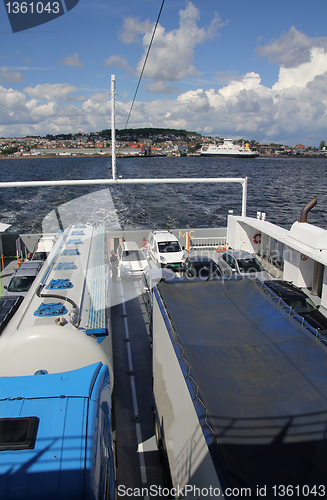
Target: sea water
280, 187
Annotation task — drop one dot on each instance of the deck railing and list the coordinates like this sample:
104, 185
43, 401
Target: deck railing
219, 243
115, 182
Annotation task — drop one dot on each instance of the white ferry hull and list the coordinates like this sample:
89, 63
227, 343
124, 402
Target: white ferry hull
228, 150
230, 155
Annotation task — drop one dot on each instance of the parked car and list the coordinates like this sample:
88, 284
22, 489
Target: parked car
131, 260
300, 302
23, 278
201, 267
165, 250
239, 262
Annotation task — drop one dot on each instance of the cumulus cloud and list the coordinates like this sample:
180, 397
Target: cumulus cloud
301, 75
6, 75
118, 62
243, 106
72, 60
51, 92
132, 28
248, 108
14, 112
172, 52
292, 49
44, 111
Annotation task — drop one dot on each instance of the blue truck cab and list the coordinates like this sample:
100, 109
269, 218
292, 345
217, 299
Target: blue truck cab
56, 435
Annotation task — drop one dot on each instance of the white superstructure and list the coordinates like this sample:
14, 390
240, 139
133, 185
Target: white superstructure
229, 149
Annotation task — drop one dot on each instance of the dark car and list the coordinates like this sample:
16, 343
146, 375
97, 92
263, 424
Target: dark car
201, 267
300, 302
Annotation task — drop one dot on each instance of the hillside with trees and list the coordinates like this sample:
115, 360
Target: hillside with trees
137, 133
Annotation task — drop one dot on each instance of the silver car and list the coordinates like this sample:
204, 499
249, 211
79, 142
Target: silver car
23, 278
241, 263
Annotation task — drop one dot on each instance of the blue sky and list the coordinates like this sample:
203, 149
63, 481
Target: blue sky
254, 69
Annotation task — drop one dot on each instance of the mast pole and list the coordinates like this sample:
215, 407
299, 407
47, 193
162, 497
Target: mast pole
113, 131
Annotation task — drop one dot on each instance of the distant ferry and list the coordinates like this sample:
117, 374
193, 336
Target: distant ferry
229, 149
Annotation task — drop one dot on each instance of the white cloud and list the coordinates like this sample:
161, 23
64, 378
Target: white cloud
172, 53
50, 92
306, 72
249, 81
72, 60
132, 28
243, 106
118, 62
44, 111
248, 108
6, 75
13, 111
197, 100
293, 49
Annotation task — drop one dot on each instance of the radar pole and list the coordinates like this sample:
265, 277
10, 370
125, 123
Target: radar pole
113, 131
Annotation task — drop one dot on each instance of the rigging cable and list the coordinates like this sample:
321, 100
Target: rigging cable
145, 60
141, 109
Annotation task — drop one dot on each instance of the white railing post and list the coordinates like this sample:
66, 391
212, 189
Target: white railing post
244, 196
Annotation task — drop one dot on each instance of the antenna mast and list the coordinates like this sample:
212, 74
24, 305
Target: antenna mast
113, 131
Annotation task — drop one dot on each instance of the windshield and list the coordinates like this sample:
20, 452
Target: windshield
203, 270
169, 246
249, 265
20, 284
301, 305
133, 255
40, 256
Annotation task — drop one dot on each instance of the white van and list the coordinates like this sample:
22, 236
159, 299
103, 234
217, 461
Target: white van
165, 250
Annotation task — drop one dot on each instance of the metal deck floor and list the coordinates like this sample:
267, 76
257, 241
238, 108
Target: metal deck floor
138, 461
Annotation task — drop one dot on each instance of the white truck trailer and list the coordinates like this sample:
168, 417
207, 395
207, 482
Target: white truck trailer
56, 378
240, 387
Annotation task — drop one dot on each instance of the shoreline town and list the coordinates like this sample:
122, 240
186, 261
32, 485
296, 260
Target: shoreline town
129, 145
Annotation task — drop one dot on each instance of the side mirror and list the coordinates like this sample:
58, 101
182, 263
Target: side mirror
5, 286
